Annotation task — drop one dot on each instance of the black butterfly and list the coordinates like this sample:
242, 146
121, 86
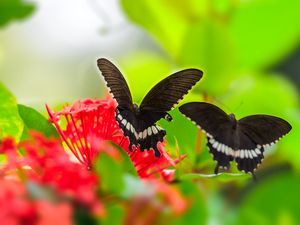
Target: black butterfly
241, 140
138, 123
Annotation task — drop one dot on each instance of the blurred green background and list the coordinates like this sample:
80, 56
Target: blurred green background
249, 51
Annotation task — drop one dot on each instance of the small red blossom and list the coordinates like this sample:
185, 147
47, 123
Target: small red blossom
91, 122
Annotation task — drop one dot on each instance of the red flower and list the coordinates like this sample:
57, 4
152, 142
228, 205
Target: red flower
50, 213
90, 122
16, 209
45, 162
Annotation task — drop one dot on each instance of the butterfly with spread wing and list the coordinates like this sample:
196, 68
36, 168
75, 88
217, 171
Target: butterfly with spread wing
138, 122
241, 140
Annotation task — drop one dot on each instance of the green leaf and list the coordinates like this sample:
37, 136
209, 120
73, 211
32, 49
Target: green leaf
14, 10
265, 205
10, 122
265, 31
133, 187
256, 94
114, 215
159, 18
143, 71
197, 213
223, 177
186, 140
126, 163
208, 46
33, 120
111, 173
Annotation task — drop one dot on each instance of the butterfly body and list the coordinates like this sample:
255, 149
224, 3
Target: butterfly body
229, 139
139, 122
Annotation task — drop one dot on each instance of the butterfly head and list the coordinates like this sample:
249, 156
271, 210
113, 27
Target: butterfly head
136, 108
233, 119
168, 117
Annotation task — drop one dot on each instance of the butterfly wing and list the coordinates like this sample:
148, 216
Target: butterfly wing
125, 115
116, 83
163, 96
265, 130
208, 117
160, 99
217, 126
255, 133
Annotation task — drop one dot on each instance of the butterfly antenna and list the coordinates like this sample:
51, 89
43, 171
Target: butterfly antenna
238, 106
215, 99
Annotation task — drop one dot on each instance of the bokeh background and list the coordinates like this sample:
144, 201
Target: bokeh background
249, 51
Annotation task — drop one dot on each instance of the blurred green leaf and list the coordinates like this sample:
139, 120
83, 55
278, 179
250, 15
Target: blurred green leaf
224, 177
114, 215
186, 140
260, 94
127, 165
160, 19
271, 201
33, 120
14, 10
197, 213
208, 46
110, 171
133, 187
10, 122
265, 31
143, 71
288, 146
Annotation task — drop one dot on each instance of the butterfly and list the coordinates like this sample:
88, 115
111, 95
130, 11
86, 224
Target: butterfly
230, 139
138, 122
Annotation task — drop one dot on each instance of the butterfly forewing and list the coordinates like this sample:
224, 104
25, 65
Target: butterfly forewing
264, 129
116, 82
208, 117
164, 95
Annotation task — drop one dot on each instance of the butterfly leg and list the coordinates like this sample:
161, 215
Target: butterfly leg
254, 177
217, 169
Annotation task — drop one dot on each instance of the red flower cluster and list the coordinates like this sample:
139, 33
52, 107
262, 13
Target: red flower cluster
45, 163
91, 122
17, 208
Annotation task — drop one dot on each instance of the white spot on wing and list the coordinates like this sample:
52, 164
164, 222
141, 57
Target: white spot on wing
242, 154
144, 133
154, 129
149, 131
